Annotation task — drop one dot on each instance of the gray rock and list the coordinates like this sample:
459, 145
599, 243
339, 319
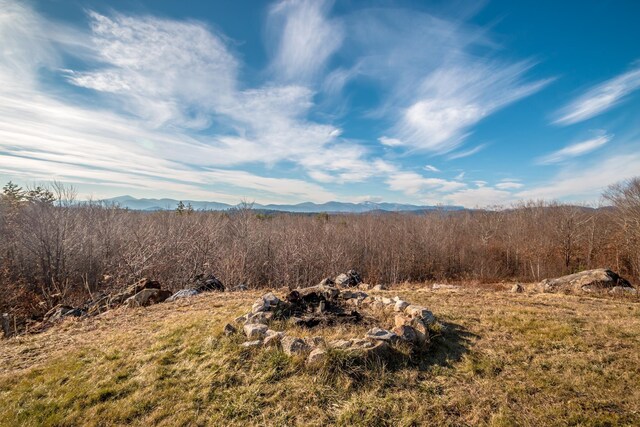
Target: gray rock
400, 305
517, 288
380, 334
255, 330
316, 357
379, 288
585, 281
437, 286
183, 293
406, 333
291, 345
252, 344
416, 311
229, 329
341, 344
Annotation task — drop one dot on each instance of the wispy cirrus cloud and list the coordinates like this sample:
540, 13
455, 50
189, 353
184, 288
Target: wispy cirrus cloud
575, 150
303, 37
599, 98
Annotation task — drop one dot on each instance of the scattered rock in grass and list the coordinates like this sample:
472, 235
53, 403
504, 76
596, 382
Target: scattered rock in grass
291, 345
380, 334
229, 329
517, 288
379, 288
622, 290
316, 357
255, 330
252, 344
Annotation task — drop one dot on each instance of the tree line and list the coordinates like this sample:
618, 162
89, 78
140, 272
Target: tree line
55, 249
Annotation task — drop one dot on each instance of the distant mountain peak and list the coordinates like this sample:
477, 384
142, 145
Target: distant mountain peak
133, 203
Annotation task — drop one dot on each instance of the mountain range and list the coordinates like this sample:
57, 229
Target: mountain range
306, 207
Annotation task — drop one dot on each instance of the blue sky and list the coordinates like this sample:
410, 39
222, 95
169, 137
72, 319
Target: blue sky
464, 103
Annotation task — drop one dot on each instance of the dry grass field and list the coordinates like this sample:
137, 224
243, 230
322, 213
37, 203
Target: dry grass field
502, 359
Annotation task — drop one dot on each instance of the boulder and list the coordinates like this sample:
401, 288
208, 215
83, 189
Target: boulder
406, 333
183, 293
316, 341
207, 282
380, 334
416, 311
147, 297
400, 305
400, 320
132, 290
348, 280
379, 288
255, 330
291, 345
585, 281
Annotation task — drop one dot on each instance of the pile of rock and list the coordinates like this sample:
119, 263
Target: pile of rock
324, 304
201, 283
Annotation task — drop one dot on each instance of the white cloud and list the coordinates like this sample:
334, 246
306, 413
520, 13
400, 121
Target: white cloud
457, 96
390, 142
586, 181
480, 197
599, 98
509, 185
305, 38
459, 177
575, 150
163, 71
411, 183
431, 168
466, 153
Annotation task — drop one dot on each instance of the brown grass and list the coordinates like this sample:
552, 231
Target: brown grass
503, 359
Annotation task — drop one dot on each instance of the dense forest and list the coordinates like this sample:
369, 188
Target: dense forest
55, 249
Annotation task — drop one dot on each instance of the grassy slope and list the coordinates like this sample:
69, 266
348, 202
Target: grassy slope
529, 359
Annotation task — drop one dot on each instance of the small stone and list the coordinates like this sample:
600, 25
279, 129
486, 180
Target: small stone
257, 318
258, 306
291, 345
241, 319
387, 301
400, 306
252, 344
272, 337
229, 329
316, 357
621, 290
341, 344
361, 343
380, 334
416, 311
379, 288
255, 330
517, 288
270, 300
